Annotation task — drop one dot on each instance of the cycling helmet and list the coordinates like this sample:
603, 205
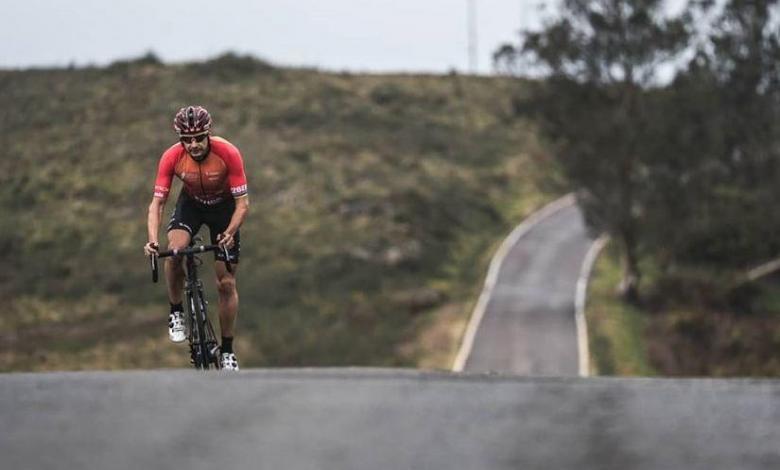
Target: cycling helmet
192, 120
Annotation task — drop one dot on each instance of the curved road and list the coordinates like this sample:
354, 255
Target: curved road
528, 325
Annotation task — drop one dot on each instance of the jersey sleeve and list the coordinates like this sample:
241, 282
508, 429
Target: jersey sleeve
165, 171
236, 174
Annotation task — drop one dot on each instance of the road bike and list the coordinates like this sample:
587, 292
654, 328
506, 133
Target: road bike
204, 348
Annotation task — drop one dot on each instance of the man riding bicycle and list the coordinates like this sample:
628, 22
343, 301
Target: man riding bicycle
214, 193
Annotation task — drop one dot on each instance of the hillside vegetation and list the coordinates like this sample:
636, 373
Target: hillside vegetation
686, 326
375, 205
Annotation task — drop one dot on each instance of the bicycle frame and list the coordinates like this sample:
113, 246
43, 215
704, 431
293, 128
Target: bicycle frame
201, 337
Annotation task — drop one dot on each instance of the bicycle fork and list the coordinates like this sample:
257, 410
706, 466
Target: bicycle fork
203, 344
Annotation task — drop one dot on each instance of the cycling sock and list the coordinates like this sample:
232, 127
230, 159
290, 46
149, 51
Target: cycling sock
177, 307
227, 344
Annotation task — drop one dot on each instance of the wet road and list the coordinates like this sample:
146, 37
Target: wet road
528, 326
383, 420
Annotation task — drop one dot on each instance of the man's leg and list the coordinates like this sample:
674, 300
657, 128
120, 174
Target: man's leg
228, 311
228, 298
174, 278
218, 221
174, 267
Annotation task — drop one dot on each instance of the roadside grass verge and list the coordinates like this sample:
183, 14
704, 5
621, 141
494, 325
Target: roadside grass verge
686, 326
616, 330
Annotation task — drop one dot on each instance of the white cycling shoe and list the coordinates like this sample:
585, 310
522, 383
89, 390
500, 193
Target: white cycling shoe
176, 327
228, 361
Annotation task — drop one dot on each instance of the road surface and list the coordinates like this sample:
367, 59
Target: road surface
528, 326
383, 420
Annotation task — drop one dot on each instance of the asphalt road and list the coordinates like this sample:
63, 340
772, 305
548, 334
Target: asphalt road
383, 419
388, 419
528, 327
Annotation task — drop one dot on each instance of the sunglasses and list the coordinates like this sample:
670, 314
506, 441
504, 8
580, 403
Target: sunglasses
186, 139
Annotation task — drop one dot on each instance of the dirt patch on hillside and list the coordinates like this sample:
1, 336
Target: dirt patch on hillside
701, 330
721, 344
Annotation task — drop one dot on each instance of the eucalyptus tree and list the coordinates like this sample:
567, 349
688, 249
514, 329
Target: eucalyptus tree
597, 58
746, 58
732, 89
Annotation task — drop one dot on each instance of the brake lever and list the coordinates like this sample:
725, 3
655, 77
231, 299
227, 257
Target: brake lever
227, 259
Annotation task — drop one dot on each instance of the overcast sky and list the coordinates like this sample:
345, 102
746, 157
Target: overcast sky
355, 35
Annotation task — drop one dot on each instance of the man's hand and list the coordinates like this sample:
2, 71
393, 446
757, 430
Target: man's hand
151, 248
226, 240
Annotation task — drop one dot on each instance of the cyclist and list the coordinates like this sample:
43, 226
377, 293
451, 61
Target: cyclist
214, 193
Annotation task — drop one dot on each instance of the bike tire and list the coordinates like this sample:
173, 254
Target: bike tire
211, 345
194, 333
202, 358
211, 339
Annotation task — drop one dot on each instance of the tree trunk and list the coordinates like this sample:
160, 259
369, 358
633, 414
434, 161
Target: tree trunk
627, 225
629, 285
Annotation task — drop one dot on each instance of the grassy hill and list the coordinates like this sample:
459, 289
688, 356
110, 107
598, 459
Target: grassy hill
375, 205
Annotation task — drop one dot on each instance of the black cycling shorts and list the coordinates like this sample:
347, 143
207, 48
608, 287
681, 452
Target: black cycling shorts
190, 215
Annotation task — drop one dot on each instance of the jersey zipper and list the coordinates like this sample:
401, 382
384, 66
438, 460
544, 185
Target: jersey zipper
202, 187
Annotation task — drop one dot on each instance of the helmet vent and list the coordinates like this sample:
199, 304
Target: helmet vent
192, 120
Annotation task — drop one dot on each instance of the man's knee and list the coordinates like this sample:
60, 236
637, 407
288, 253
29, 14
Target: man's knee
178, 239
226, 286
177, 244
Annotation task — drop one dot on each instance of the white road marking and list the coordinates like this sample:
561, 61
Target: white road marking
580, 301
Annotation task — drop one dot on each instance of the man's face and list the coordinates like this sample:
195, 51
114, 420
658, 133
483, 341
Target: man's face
196, 145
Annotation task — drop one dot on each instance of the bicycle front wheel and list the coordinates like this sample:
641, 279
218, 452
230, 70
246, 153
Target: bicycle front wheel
198, 347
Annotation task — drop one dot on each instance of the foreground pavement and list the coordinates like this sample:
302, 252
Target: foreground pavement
383, 419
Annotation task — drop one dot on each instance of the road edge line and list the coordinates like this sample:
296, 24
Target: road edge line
580, 301
495, 266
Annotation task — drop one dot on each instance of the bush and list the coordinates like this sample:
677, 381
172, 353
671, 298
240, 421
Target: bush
232, 66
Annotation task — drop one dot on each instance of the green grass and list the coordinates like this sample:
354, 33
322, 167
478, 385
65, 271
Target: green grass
616, 330
368, 193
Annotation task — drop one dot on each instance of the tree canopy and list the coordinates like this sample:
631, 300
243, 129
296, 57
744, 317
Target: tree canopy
683, 171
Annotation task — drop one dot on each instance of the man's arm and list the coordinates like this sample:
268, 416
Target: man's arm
153, 224
238, 188
239, 214
162, 186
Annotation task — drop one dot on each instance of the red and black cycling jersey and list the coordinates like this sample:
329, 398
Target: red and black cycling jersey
213, 180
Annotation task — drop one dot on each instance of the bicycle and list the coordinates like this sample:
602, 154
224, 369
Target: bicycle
204, 349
